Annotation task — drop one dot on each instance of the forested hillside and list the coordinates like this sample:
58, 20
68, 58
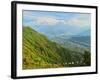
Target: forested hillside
40, 52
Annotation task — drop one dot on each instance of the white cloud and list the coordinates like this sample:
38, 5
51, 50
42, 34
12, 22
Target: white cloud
47, 20
78, 20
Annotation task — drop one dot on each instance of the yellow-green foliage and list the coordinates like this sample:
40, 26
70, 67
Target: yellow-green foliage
40, 52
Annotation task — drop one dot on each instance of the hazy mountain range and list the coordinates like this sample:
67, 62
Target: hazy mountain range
59, 30
79, 36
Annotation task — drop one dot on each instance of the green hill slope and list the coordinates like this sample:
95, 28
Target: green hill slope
40, 52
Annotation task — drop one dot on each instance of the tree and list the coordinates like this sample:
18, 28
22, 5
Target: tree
87, 58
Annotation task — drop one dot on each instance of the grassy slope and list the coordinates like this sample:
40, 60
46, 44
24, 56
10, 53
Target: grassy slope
39, 52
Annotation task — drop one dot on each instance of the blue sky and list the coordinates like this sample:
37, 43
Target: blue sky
54, 18
41, 20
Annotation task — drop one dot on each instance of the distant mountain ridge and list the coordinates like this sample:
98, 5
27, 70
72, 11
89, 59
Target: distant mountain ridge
85, 33
52, 31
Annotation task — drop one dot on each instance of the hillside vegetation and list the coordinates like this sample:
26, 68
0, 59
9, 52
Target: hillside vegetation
40, 52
